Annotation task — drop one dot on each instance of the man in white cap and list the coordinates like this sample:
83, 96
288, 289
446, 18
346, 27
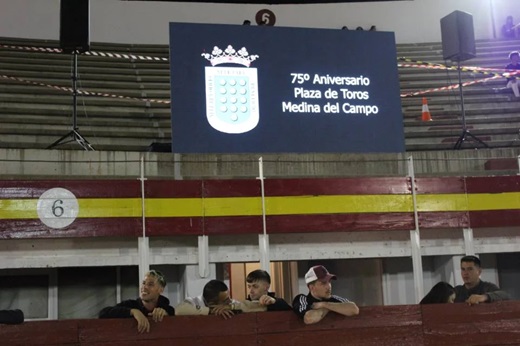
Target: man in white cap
314, 306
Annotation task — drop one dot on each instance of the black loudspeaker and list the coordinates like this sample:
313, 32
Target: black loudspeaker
458, 37
74, 26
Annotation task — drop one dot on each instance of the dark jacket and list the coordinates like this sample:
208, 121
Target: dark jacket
491, 290
122, 310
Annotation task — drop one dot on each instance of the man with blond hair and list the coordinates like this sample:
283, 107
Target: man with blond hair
151, 303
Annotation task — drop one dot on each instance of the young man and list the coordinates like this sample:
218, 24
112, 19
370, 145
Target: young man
258, 283
215, 300
314, 306
150, 303
512, 81
474, 290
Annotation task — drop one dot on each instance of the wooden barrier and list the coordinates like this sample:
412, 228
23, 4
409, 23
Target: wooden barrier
444, 324
97, 208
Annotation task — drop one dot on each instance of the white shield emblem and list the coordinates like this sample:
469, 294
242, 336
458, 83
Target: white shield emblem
231, 92
232, 99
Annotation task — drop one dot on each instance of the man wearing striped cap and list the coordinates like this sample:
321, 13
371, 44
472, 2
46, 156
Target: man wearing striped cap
314, 306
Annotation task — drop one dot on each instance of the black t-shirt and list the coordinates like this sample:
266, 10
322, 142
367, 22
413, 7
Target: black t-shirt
122, 310
279, 305
303, 303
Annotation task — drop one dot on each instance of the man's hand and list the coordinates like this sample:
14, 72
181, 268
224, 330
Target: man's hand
476, 299
157, 314
222, 310
266, 300
143, 325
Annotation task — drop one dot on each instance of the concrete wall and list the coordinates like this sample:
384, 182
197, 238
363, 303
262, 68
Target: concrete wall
147, 22
67, 164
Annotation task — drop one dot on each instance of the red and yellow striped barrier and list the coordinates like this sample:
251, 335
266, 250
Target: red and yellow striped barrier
91, 208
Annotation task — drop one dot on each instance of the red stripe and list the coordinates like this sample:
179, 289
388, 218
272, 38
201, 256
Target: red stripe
80, 188
494, 218
173, 188
453, 219
340, 223
440, 185
202, 188
168, 226
131, 227
232, 188
343, 186
493, 184
108, 227
233, 225
199, 226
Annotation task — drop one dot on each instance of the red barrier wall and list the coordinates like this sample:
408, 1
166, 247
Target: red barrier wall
444, 324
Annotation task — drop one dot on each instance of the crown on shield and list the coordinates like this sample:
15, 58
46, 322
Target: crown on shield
229, 56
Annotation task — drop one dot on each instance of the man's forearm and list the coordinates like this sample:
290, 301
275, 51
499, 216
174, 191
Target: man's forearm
186, 308
347, 308
248, 306
314, 316
496, 296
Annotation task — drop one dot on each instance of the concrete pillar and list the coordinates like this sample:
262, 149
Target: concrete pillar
192, 283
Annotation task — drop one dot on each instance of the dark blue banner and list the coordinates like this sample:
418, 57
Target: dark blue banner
238, 89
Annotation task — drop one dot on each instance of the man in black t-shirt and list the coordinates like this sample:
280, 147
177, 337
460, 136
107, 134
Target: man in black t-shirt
314, 306
258, 283
149, 304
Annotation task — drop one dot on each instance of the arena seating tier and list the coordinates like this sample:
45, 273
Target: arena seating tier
35, 115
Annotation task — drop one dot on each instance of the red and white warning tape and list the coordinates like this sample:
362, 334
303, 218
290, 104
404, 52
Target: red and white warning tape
84, 92
450, 87
416, 64
91, 53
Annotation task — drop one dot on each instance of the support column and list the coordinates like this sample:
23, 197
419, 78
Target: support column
53, 295
143, 247
263, 244
143, 243
469, 245
263, 239
415, 239
192, 283
204, 268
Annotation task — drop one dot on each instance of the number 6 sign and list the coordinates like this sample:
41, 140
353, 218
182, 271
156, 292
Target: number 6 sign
265, 17
57, 208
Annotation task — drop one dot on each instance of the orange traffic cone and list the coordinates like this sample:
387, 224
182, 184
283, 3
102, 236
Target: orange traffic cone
426, 116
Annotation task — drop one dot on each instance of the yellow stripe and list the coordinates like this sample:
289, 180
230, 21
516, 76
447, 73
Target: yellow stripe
239, 206
494, 201
284, 205
469, 202
109, 207
173, 207
339, 204
18, 209
442, 202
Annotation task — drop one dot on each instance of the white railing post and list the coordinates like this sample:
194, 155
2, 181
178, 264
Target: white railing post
263, 239
143, 244
415, 239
